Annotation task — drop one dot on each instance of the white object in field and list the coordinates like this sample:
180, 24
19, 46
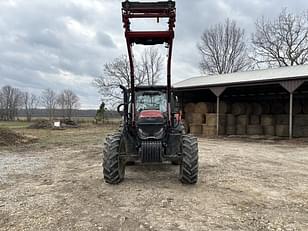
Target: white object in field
56, 124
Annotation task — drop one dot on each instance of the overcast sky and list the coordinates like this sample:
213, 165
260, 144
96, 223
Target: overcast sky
64, 43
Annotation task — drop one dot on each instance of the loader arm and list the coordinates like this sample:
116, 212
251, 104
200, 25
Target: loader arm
156, 10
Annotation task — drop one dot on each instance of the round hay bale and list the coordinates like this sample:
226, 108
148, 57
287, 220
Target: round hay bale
240, 129
230, 130
203, 107
189, 107
249, 108
267, 120
186, 126
209, 130
242, 120
282, 119
195, 129
300, 131
297, 107
222, 130
223, 107
282, 130
301, 120
269, 130
196, 118
305, 107
254, 130
266, 108
230, 120
254, 119
211, 119
223, 120
238, 108
188, 117
256, 108
277, 108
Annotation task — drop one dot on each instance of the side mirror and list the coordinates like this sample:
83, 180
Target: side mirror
176, 104
121, 111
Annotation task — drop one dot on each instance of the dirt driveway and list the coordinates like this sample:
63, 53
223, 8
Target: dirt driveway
243, 185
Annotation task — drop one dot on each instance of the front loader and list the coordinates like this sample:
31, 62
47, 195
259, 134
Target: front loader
152, 131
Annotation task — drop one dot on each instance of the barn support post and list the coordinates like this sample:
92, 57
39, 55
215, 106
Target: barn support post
217, 91
291, 116
217, 115
291, 86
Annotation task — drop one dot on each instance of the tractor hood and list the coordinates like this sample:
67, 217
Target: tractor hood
150, 114
150, 124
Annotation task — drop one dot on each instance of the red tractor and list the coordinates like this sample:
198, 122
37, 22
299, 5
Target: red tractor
152, 130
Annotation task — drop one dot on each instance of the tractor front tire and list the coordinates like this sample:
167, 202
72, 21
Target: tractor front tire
189, 164
113, 166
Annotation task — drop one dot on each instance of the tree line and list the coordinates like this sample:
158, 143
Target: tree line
223, 48
12, 99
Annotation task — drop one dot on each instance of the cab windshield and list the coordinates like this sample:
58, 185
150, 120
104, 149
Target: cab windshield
151, 100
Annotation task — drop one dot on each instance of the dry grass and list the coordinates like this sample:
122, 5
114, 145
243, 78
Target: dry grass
56, 184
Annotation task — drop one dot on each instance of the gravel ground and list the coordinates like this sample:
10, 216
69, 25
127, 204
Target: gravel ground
243, 185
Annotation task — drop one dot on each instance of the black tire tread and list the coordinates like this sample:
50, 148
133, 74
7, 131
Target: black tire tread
189, 165
112, 168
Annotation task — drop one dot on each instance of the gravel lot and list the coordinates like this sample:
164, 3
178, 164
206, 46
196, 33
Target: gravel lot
243, 185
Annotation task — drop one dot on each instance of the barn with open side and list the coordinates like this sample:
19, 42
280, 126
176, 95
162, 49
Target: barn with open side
270, 102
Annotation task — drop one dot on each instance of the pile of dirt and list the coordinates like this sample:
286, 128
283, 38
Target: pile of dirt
9, 137
46, 124
41, 124
66, 123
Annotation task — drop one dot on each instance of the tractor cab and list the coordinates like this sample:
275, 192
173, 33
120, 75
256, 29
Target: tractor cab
151, 112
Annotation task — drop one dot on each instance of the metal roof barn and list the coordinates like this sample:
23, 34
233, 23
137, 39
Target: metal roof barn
251, 77
283, 83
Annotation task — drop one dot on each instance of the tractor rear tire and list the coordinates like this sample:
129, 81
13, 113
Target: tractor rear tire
113, 166
189, 164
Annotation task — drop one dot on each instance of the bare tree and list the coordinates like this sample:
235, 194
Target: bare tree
282, 41
151, 64
10, 102
68, 101
30, 102
223, 49
49, 101
117, 73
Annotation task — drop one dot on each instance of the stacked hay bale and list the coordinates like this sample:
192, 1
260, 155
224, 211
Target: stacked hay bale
269, 118
301, 121
282, 121
268, 124
230, 124
210, 127
254, 126
296, 109
201, 119
277, 108
195, 116
300, 128
241, 119
193, 119
305, 107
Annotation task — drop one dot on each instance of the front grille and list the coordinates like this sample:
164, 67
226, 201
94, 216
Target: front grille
151, 151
